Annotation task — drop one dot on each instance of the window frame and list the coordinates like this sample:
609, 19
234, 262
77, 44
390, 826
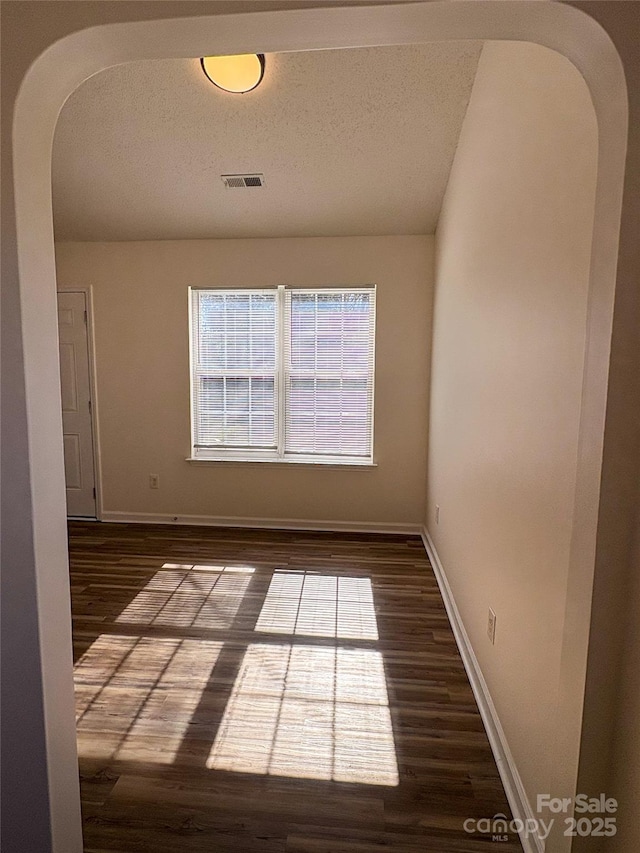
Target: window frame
279, 456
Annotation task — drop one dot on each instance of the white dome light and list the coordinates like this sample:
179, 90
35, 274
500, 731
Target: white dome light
237, 74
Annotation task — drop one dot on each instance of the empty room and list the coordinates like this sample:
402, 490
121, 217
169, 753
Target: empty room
332, 345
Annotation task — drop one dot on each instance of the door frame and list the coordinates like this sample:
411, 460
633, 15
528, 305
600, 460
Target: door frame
87, 290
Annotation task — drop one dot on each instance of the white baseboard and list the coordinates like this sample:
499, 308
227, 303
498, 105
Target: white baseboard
514, 789
262, 523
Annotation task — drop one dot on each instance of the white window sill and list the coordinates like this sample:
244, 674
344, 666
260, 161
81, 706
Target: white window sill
282, 463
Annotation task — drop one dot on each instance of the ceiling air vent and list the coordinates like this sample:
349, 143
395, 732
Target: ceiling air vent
232, 181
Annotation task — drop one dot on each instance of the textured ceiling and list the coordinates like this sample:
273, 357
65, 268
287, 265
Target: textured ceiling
350, 142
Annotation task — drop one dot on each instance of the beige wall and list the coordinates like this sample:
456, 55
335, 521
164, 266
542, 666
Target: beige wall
512, 271
141, 333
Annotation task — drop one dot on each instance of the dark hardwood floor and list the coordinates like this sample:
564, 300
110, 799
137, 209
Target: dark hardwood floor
270, 691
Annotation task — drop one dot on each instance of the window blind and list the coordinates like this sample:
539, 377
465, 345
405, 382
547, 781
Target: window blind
329, 361
234, 361
284, 373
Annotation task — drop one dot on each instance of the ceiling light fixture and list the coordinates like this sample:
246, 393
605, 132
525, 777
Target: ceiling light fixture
237, 74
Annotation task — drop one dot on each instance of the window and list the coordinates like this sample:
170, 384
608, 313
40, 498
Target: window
283, 374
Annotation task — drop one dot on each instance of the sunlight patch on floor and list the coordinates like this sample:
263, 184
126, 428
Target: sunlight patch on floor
309, 712
319, 605
127, 688
190, 596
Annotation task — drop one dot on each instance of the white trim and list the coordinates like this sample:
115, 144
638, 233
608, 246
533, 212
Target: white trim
93, 391
280, 383
286, 462
514, 789
192, 420
399, 528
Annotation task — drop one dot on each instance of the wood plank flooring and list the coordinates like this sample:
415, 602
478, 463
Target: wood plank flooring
281, 692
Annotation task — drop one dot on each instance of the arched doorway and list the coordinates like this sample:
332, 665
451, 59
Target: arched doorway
64, 65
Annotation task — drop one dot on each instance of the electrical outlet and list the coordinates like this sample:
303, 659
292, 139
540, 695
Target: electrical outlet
491, 626
154, 481
437, 514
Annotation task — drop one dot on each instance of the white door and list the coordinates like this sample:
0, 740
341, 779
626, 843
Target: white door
76, 404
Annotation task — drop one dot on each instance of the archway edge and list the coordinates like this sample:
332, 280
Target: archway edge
67, 62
